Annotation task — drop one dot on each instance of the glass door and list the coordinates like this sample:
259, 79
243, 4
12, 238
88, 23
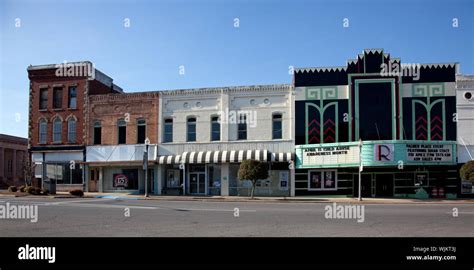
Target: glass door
197, 183
202, 183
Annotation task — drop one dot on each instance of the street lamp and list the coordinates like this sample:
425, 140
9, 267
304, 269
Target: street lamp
361, 167
182, 166
145, 164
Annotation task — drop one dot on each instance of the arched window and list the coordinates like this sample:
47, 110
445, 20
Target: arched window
191, 129
71, 130
141, 130
242, 127
122, 131
215, 128
277, 127
97, 132
43, 130
57, 128
168, 130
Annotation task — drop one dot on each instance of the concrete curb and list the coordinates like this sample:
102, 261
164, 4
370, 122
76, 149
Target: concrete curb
312, 200
245, 199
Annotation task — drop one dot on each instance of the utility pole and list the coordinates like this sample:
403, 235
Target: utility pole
145, 164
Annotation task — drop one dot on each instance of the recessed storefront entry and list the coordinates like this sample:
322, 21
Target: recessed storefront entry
383, 185
374, 185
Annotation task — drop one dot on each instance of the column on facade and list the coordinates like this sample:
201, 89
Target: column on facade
225, 179
101, 179
14, 161
159, 179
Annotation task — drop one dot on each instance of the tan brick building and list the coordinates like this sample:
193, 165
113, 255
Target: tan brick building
13, 154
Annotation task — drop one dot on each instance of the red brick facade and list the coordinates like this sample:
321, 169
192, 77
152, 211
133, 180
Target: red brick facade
109, 109
46, 79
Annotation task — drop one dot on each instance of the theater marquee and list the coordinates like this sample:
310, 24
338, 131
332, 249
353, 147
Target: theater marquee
330, 155
374, 154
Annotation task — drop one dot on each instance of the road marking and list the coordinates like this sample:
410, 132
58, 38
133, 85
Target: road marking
79, 201
215, 210
113, 206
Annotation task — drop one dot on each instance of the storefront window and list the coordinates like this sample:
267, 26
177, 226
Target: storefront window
173, 178
214, 176
64, 173
322, 180
233, 181
128, 179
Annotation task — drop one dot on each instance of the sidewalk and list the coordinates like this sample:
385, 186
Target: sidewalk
301, 199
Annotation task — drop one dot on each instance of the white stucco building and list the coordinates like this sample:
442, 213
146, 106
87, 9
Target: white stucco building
465, 117
204, 134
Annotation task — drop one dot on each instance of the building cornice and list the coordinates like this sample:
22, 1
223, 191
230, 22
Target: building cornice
232, 89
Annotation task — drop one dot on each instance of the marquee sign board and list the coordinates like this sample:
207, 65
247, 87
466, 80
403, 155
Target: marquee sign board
375, 153
330, 155
429, 152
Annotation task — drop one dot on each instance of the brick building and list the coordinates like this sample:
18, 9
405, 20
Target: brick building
58, 113
13, 153
119, 125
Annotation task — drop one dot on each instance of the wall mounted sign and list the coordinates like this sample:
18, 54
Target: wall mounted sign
284, 177
384, 152
332, 155
467, 187
120, 180
429, 152
375, 153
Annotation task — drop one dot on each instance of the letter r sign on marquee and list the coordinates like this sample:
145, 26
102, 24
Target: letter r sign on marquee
383, 152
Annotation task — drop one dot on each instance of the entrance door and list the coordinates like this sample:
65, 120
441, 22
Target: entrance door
366, 185
94, 180
384, 185
197, 183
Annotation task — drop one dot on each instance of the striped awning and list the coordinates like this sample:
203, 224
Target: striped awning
169, 159
225, 157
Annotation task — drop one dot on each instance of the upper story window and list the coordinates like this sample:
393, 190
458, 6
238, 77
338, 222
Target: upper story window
57, 129
57, 98
191, 129
97, 133
242, 127
43, 99
168, 130
141, 130
71, 130
122, 131
215, 129
43, 131
72, 97
277, 126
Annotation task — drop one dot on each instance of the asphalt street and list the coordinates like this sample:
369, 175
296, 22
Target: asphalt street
112, 217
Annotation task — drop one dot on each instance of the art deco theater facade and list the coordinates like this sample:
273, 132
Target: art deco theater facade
396, 122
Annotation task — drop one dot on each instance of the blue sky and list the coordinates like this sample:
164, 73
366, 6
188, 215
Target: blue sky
200, 35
